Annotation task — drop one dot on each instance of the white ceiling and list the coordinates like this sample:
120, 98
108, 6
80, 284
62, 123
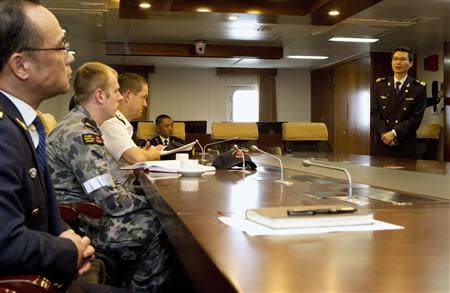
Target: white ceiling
418, 24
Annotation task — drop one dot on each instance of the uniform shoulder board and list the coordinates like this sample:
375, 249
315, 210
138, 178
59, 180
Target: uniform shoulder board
1, 113
423, 83
381, 79
89, 123
120, 119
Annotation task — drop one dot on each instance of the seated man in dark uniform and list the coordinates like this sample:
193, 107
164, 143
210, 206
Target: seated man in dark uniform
34, 66
164, 127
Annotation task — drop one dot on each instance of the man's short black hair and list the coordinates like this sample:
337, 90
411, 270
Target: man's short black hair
404, 49
16, 31
160, 118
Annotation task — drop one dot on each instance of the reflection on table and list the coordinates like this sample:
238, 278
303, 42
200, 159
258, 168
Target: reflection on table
219, 258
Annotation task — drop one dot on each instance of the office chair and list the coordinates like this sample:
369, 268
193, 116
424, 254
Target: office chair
48, 121
247, 133
147, 130
305, 137
117, 271
428, 137
25, 284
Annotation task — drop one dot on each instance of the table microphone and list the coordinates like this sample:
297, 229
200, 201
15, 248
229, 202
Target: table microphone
281, 180
243, 170
212, 143
308, 163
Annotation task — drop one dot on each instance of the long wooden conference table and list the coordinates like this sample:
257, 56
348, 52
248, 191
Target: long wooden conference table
219, 258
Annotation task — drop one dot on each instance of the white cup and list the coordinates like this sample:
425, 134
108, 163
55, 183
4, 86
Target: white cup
180, 157
189, 165
189, 185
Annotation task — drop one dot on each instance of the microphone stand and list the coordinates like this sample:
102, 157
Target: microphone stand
350, 198
243, 170
212, 143
281, 180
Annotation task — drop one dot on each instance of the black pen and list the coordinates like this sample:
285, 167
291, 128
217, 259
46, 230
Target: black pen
306, 212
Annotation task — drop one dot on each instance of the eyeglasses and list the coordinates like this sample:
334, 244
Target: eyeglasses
401, 59
65, 47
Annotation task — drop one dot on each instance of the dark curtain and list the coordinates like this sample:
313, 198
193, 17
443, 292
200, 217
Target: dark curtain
267, 98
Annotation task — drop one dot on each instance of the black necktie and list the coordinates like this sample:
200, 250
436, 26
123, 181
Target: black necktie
397, 88
41, 146
166, 142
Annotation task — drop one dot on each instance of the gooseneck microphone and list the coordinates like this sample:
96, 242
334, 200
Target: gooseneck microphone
308, 163
212, 143
203, 152
243, 170
281, 180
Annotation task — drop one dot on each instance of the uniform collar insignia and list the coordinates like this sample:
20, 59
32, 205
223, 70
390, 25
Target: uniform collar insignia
21, 123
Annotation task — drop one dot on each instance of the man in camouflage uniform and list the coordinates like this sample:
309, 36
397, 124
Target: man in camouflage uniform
80, 172
397, 109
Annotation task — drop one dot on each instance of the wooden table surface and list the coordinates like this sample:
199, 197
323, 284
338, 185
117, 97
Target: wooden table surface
219, 258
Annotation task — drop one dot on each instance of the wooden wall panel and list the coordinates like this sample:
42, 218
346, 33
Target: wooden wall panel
322, 100
447, 101
352, 92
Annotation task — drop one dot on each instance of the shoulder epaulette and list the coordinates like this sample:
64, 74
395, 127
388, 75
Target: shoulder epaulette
1, 112
89, 123
381, 79
423, 83
120, 119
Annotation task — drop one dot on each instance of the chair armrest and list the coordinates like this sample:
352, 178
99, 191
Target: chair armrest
25, 284
70, 211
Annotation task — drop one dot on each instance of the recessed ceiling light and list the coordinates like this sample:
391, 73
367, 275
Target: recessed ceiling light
145, 5
353, 40
307, 57
203, 9
333, 12
233, 17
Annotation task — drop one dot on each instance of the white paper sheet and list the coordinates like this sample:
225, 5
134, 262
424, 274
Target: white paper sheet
254, 229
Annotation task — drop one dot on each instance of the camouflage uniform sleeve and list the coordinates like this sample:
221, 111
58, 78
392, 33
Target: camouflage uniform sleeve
86, 157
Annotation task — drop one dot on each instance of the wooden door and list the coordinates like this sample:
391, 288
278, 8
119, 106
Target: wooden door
352, 111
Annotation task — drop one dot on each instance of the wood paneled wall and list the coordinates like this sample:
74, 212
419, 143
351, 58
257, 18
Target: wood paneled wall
447, 101
322, 100
340, 97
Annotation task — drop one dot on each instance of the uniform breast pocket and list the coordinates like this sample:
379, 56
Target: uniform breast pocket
407, 105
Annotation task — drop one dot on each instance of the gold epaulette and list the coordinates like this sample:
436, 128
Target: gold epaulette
1, 113
381, 79
89, 123
423, 83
